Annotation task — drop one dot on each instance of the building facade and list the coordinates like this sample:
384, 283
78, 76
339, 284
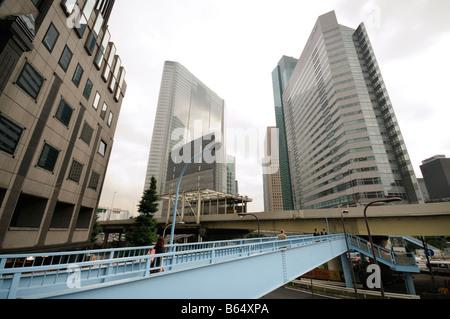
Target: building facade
436, 175
345, 145
272, 184
280, 79
61, 93
187, 110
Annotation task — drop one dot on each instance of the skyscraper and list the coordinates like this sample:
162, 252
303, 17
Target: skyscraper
61, 90
273, 195
280, 79
436, 175
187, 111
345, 145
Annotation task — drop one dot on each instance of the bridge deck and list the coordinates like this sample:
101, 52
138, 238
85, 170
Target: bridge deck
223, 269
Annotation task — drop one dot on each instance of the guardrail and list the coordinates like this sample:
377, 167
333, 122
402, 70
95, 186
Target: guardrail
28, 276
350, 291
382, 254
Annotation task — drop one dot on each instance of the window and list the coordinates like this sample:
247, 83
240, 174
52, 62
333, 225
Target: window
93, 182
66, 56
75, 171
110, 119
92, 38
64, 113
101, 53
88, 89
38, 3
104, 109
30, 81
86, 133
86, 14
50, 37
77, 75
48, 157
96, 101
10, 135
102, 148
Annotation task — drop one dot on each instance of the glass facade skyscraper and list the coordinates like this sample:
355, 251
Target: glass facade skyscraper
345, 145
280, 79
187, 110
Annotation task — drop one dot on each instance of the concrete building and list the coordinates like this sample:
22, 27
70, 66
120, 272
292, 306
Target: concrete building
61, 90
272, 184
345, 145
187, 110
280, 78
436, 175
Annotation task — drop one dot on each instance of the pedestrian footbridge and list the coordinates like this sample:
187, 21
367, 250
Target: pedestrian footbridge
236, 269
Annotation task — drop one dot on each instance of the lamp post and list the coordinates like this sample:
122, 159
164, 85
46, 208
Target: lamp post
164, 232
218, 144
387, 200
257, 219
348, 254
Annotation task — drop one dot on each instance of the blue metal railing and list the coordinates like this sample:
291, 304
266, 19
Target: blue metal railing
28, 276
39, 275
389, 257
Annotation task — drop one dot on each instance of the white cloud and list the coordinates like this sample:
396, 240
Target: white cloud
233, 46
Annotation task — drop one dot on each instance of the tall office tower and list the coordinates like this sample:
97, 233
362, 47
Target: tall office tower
273, 195
61, 90
280, 79
187, 110
231, 175
436, 175
345, 145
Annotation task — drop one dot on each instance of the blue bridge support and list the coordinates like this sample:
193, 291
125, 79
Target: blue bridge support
238, 269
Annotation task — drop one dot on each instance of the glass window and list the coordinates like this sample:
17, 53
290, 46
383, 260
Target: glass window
93, 182
99, 59
102, 148
10, 134
96, 101
66, 56
86, 133
110, 119
64, 113
88, 89
75, 171
92, 38
48, 158
104, 109
86, 14
77, 75
109, 62
30, 81
50, 37
38, 3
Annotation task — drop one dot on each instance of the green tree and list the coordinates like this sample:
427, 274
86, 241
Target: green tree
95, 231
142, 234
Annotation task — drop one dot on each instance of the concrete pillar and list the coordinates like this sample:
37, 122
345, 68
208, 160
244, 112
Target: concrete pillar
347, 271
410, 289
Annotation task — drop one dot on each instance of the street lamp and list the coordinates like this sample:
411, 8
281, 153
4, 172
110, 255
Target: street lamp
348, 253
387, 200
164, 232
257, 219
218, 144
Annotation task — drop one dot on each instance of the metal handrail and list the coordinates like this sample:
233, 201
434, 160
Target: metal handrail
56, 268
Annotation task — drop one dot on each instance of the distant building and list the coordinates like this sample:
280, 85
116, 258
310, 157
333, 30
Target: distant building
61, 91
436, 175
105, 214
345, 145
280, 78
232, 183
273, 193
187, 110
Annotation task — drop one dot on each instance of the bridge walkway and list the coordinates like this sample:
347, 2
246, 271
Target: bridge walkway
237, 269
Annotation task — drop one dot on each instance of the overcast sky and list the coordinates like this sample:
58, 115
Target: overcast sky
233, 46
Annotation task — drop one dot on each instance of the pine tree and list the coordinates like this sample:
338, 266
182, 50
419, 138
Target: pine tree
143, 233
